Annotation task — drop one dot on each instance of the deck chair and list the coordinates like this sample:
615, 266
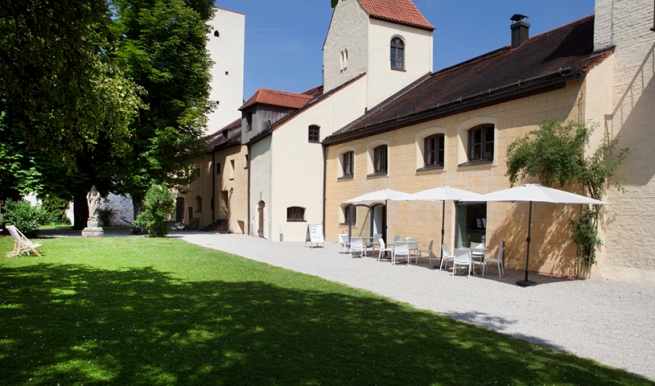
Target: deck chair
21, 243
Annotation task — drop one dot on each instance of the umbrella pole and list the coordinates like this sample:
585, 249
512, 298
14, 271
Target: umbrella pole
443, 221
526, 282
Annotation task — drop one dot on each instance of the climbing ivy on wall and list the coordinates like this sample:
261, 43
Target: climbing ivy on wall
555, 154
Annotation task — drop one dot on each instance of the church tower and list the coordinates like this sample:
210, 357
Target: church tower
388, 40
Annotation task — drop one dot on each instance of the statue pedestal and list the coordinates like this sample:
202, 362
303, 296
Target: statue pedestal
93, 233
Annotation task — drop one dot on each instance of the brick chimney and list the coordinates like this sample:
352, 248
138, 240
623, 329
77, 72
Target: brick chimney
520, 30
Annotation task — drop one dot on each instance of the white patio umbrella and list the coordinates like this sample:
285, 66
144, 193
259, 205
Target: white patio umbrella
376, 196
534, 193
443, 193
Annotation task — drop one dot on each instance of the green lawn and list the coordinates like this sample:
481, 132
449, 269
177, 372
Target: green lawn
136, 311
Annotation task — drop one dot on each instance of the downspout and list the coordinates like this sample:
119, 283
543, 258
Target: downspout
324, 186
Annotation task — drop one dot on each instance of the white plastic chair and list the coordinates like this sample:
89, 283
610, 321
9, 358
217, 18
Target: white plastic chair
357, 245
400, 249
447, 257
383, 249
344, 243
21, 243
396, 239
477, 255
498, 260
428, 251
412, 245
462, 257
376, 240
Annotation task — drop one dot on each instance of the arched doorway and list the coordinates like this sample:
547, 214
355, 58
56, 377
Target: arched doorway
379, 220
260, 230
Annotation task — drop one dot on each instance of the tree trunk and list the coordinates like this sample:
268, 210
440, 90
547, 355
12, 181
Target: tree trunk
137, 207
80, 211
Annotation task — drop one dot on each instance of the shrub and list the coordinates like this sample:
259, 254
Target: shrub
105, 216
158, 206
55, 209
25, 217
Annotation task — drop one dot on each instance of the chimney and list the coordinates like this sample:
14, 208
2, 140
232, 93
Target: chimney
520, 30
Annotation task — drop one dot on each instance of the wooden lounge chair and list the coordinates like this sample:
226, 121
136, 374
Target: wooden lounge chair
21, 243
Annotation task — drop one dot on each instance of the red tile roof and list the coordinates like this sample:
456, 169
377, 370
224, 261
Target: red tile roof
545, 60
277, 98
396, 11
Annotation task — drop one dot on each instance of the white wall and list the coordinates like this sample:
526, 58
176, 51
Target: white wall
298, 179
227, 52
348, 31
382, 80
631, 217
261, 175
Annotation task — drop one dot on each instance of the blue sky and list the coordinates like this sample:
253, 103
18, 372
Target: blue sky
284, 38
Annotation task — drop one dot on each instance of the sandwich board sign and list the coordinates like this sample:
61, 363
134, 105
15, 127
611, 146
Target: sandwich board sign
314, 235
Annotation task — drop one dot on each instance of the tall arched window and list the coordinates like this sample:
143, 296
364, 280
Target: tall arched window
380, 159
433, 150
397, 54
481, 143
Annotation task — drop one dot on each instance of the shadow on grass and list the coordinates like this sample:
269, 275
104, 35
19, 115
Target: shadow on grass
73, 324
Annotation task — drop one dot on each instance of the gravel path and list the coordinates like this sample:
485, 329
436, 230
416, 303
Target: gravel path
608, 321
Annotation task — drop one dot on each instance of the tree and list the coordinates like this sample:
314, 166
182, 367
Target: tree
161, 45
159, 205
555, 153
57, 81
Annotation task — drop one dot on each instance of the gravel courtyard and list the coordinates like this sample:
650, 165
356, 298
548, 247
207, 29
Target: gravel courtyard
611, 322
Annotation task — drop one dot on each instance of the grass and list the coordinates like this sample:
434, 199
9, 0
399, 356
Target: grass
136, 311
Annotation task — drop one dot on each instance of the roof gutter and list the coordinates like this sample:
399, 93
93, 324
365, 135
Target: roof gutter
470, 102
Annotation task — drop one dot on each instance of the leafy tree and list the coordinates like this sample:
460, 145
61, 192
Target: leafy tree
555, 153
161, 45
57, 81
159, 205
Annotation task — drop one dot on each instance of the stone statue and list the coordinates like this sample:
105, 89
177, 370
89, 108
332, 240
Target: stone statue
93, 198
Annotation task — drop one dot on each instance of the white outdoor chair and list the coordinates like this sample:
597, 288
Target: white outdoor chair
428, 251
376, 240
477, 255
462, 257
498, 260
21, 243
396, 239
400, 249
412, 245
344, 243
383, 249
447, 257
357, 246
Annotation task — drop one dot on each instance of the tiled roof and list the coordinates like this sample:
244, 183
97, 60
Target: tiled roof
220, 139
545, 60
396, 11
314, 92
277, 98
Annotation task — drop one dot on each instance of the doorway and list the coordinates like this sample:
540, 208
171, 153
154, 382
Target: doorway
471, 223
179, 209
379, 221
260, 231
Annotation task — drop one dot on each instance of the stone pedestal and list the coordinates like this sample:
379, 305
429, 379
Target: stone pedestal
93, 233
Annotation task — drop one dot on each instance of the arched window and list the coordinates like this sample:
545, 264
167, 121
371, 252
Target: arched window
348, 163
295, 213
218, 35
481, 143
433, 150
314, 133
380, 159
350, 214
397, 54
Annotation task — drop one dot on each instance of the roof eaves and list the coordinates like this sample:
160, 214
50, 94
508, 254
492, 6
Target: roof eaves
403, 22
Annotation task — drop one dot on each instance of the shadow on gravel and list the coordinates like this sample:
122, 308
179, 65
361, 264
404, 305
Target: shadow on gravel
74, 324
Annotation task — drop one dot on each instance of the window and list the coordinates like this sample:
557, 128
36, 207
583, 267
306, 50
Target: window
314, 133
348, 163
218, 168
481, 143
218, 35
295, 213
397, 54
198, 204
249, 121
350, 214
231, 169
247, 162
380, 159
433, 150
